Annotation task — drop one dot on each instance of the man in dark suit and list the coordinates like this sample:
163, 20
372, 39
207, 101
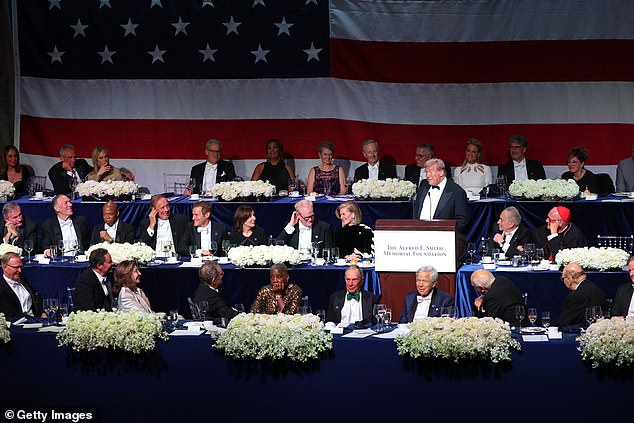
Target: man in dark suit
511, 235
584, 294
17, 228
69, 172
203, 231
17, 297
415, 172
373, 169
623, 304
214, 170
304, 228
427, 300
499, 296
162, 228
66, 226
520, 168
351, 305
558, 233
93, 290
112, 229
440, 198
210, 275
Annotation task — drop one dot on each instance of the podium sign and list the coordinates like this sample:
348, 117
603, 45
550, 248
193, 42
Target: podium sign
406, 251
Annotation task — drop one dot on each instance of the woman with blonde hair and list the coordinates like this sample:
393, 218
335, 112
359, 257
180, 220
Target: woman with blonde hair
103, 170
353, 235
472, 176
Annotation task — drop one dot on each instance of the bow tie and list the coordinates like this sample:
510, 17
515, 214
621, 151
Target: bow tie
435, 187
420, 298
355, 297
68, 223
201, 230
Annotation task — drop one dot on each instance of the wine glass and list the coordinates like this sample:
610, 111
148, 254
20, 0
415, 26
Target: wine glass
203, 306
191, 184
529, 248
291, 185
61, 249
167, 248
63, 311
46, 303
74, 249
334, 253
322, 315
326, 253
213, 247
387, 317
173, 317
532, 315
589, 315
28, 247
483, 247
378, 311
192, 251
226, 246
446, 311
53, 252
546, 319
539, 254
239, 307
519, 316
500, 181
471, 249
314, 250
597, 313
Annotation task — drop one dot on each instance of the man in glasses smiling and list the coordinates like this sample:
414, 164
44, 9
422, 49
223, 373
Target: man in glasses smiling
214, 170
304, 228
17, 297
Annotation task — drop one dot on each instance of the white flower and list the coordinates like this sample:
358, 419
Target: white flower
457, 339
608, 341
264, 255
132, 331
230, 190
106, 188
389, 188
5, 335
593, 257
9, 248
274, 337
127, 251
544, 188
6, 189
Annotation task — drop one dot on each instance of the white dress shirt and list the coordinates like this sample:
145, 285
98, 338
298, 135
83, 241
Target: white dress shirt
164, 234
69, 236
422, 309
112, 230
102, 282
507, 239
304, 237
521, 174
373, 171
209, 178
205, 237
352, 311
422, 175
431, 201
22, 294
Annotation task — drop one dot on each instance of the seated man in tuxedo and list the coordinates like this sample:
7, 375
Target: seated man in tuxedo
112, 229
415, 172
520, 168
427, 300
624, 298
17, 228
210, 276
163, 229
69, 172
304, 228
558, 233
65, 226
93, 290
511, 235
440, 198
214, 170
351, 305
625, 174
499, 295
17, 297
203, 231
584, 294
373, 169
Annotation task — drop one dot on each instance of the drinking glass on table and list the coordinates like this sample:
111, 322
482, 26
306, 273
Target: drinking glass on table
589, 315
239, 307
539, 254
28, 247
379, 311
326, 253
61, 248
334, 253
597, 313
173, 318
226, 246
546, 319
322, 315
192, 251
483, 247
519, 315
532, 315
52, 250
213, 247
203, 306
529, 248
387, 317
500, 181
471, 249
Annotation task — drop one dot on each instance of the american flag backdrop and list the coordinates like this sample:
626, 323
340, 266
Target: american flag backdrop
153, 80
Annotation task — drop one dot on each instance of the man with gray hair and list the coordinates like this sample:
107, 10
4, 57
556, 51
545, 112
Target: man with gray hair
499, 295
65, 226
69, 172
427, 300
520, 168
511, 235
415, 172
353, 304
304, 228
214, 170
17, 228
210, 275
374, 168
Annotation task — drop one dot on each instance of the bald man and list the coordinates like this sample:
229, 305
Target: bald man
584, 294
499, 295
558, 233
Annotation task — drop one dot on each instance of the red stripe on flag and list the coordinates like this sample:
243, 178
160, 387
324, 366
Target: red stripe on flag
480, 62
245, 139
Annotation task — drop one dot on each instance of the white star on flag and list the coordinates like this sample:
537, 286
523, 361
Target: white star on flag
260, 54
208, 3
54, 3
79, 28
56, 55
256, 2
208, 53
106, 55
157, 54
180, 26
232, 26
283, 27
130, 28
103, 3
312, 1
157, 3
312, 52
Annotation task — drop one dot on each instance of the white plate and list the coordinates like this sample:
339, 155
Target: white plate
340, 264
533, 329
365, 264
504, 263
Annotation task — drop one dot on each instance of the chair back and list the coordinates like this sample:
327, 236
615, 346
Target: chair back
36, 184
606, 186
625, 243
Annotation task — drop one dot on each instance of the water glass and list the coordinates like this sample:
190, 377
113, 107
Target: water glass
532, 315
192, 251
53, 252
226, 246
173, 317
28, 247
63, 309
203, 307
213, 247
387, 317
546, 319
239, 307
326, 253
322, 315
334, 253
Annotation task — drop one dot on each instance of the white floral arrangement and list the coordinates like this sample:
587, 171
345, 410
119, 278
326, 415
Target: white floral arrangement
127, 251
231, 190
9, 248
457, 339
593, 257
274, 337
389, 188
545, 188
132, 331
5, 335
264, 255
608, 341
6, 189
106, 188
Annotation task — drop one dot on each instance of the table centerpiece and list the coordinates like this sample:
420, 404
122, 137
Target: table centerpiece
264, 255
7, 190
608, 341
593, 258
120, 252
389, 189
244, 190
107, 190
5, 335
545, 189
9, 248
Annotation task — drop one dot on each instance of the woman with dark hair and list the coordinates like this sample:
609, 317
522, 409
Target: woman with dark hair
472, 176
11, 170
327, 178
274, 169
129, 296
245, 231
353, 235
576, 170
280, 297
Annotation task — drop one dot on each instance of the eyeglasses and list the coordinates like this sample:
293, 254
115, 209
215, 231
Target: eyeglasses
214, 151
16, 267
420, 156
311, 217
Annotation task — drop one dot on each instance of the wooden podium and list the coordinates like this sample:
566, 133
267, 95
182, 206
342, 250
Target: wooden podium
395, 284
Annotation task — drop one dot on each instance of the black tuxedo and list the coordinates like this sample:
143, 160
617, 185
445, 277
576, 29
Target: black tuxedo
125, 233
320, 231
225, 173
439, 299
412, 173
570, 238
10, 304
573, 311
28, 230
534, 170
89, 294
52, 232
336, 302
522, 236
501, 299
452, 203
622, 299
60, 179
180, 234
218, 232
217, 305
386, 170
